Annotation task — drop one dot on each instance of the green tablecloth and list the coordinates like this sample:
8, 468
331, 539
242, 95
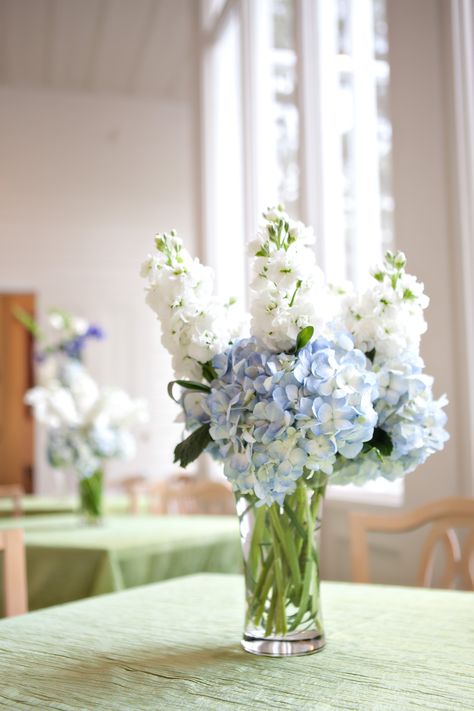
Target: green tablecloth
67, 561
175, 645
33, 504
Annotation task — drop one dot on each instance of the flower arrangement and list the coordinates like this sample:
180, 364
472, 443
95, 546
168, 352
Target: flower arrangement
87, 424
322, 386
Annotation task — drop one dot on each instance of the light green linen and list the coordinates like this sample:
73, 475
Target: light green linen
175, 645
67, 561
33, 504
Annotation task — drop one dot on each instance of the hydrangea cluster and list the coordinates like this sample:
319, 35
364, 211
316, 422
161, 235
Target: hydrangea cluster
86, 423
408, 414
273, 416
287, 288
310, 391
195, 325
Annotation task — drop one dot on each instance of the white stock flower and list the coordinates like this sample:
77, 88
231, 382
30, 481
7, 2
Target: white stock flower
388, 316
195, 325
287, 287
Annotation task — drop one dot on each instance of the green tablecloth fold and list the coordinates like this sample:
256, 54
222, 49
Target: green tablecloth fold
175, 645
68, 561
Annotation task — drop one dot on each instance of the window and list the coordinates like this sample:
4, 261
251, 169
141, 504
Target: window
295, 109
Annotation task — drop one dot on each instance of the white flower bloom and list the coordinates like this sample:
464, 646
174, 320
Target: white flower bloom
287, 288
195, 325
388, 316
86, 423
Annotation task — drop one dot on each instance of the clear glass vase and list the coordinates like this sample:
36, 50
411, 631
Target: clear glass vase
280, 547
91, 497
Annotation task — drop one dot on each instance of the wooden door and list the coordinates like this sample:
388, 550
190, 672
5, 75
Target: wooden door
16, 376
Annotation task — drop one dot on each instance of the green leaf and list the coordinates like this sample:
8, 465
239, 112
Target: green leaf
190, 448
304, 337
381, 443
208, 371
189, 385
408, 295
371, 355
28, 322
378, 276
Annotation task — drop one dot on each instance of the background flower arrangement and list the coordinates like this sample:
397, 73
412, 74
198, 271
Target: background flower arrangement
318, 385
87, 424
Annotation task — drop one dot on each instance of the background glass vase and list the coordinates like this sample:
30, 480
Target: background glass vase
280, 546
91, 497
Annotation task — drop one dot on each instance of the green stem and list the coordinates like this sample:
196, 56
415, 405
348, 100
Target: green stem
282, 565
287, 543
309, 567
279, 590
262, 598
271, 614
90, 489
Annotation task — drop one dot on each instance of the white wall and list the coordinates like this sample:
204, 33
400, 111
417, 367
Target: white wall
85, 183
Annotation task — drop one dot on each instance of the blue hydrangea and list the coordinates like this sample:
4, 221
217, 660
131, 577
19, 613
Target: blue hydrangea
274, 418
407, 412
277, 417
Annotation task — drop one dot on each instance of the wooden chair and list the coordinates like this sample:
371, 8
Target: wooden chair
161, 492
15, 492
133, 486
14, 572
445, 516
195, 497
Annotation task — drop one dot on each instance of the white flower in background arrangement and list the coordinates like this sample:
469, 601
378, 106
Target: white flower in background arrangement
86, 423
329, 383
195, 325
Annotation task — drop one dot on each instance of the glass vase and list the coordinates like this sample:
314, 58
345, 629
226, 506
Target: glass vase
91, 497
280, 547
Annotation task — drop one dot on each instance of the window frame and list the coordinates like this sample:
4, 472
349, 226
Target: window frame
320, 206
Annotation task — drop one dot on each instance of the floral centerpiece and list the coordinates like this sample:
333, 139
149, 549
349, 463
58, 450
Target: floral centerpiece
87, 424
322, 386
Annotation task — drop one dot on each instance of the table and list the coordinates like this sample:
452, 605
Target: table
34, 504
67, 560
175, 645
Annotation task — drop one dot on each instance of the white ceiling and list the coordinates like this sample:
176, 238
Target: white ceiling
138, 47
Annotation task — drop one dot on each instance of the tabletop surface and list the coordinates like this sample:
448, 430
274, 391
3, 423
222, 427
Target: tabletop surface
175, 645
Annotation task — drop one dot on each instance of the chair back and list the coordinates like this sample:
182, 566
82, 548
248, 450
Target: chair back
133, 486
15, 493
445, 517
193, 497
14, 572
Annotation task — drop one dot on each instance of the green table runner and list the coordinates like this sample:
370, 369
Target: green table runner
67, 561
175, 645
